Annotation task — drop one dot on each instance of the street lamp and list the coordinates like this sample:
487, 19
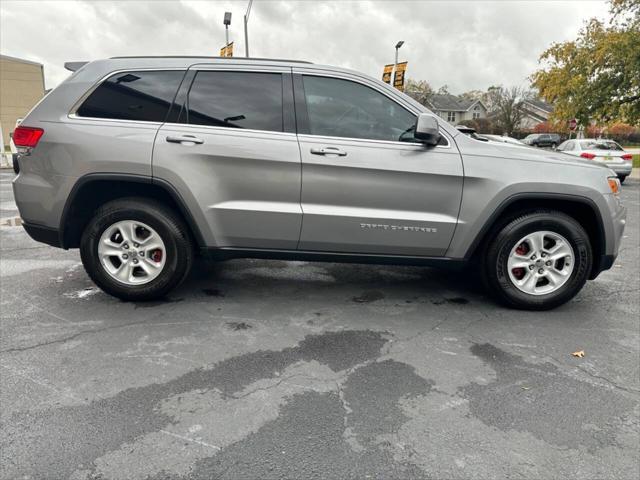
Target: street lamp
398, 45
227, 22
246, 33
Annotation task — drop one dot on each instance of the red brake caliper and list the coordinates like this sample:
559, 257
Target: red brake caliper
519, 272
156, 256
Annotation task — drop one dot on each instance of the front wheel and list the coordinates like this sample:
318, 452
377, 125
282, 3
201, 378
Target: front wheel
136, 249
538, 260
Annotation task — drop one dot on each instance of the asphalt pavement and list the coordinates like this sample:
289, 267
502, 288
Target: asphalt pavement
273, 369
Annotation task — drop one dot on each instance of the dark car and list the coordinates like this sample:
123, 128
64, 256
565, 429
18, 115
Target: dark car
543, 140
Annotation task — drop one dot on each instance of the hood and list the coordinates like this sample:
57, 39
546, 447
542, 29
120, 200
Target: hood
469, 146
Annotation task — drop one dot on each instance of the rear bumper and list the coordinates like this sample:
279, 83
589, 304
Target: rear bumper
621, 168
48, 235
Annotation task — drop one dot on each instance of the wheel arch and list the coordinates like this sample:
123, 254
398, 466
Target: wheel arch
93, 190
583, 209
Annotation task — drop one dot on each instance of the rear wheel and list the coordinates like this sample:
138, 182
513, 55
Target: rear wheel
136, 249
538, 260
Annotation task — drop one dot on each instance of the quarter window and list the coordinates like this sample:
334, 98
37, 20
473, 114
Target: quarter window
143, 95
236, 100
341, 108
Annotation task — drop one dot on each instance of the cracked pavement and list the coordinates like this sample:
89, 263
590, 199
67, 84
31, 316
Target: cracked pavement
272, 369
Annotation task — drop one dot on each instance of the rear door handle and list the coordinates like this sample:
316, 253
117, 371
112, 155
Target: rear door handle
185, 140
329, 151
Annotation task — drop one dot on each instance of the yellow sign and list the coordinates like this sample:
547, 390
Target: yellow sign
386, 73
227, 51
398, 77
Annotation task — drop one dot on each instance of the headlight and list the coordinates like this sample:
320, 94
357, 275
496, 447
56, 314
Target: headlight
614, 185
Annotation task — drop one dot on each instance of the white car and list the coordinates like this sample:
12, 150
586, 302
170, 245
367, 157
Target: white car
601, 150
503, 139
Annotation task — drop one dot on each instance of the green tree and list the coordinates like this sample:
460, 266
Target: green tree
597, 75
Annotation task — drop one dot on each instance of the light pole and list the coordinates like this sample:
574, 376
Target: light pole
246, 33
227, 22
398, 45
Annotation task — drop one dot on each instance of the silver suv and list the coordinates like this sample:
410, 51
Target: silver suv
144, 163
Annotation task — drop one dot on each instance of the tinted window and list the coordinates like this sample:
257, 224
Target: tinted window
133, 96
340, 108
236, 100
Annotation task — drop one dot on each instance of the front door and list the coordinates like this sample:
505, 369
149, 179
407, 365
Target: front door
367, 186
233, 153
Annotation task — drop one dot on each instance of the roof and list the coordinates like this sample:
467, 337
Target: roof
541, 104
21, 60
451, 103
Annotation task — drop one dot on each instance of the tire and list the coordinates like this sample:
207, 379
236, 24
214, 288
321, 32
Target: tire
555, 228
167, 230
622, 178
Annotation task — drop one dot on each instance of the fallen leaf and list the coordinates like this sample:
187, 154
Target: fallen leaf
579, 354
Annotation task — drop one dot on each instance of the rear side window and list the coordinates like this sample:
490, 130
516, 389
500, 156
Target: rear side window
144, 95
237, 100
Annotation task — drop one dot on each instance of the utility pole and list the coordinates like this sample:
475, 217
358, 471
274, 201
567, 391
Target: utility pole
246, 32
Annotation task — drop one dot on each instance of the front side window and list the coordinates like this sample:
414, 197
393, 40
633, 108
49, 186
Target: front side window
341, 108
142, 95
236, 100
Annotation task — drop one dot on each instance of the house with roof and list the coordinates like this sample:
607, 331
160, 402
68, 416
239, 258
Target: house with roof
455, 109
534, 111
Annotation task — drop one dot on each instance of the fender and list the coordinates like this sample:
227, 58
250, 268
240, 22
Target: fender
131, 178
600, 262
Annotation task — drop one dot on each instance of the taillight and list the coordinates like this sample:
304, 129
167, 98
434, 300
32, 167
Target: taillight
588, 156
27, 136
627, 156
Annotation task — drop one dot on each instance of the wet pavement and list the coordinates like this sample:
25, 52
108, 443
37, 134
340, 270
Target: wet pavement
272, 369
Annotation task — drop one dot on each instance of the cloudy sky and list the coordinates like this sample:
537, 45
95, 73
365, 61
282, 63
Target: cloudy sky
464, 44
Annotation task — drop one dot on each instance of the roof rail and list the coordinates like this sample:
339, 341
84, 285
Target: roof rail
214, 58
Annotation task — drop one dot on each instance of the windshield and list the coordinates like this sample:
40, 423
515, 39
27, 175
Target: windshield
600, 145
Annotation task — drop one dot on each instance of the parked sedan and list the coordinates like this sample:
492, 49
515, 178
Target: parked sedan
601, 150
503, 139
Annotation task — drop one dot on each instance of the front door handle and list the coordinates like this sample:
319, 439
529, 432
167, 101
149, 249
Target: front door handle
185, 140
329, 151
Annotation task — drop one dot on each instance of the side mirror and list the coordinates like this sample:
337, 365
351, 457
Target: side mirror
427, 130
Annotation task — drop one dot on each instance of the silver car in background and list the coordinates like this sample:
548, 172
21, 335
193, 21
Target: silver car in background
601, 150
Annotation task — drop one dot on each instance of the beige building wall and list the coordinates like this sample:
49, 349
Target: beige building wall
21, 87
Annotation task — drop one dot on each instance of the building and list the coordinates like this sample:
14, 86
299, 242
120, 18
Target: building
21, 87
455, 109
534, 112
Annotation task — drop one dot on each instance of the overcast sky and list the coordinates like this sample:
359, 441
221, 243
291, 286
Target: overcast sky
464, 44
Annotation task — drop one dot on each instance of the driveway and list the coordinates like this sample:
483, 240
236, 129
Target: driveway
272, 369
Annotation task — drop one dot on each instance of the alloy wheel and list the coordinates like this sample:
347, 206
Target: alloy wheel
132, 252
540, 263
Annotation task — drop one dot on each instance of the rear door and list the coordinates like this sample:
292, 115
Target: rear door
367, 186
230, 149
